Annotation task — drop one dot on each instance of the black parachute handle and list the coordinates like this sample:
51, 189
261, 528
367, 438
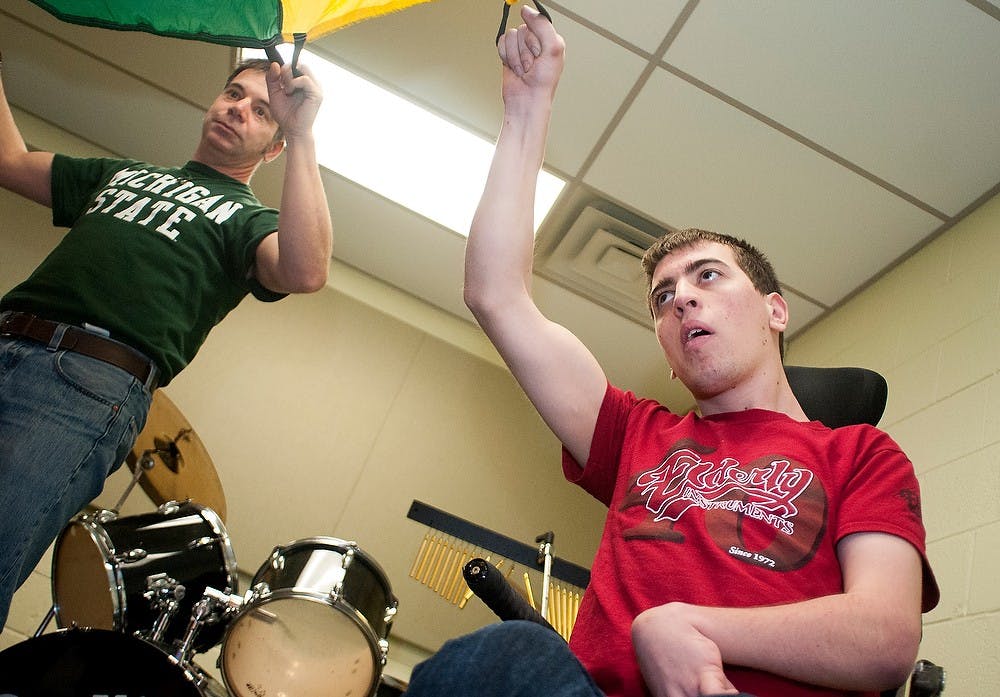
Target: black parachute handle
506, 15
272, 52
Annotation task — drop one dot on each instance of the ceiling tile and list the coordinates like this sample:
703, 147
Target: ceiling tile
689, 159
597, 77
460, 79
907, 91
416, 255
72, 80
643, 23
440, 54
194, 69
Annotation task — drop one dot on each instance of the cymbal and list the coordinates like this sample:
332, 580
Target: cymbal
180, 466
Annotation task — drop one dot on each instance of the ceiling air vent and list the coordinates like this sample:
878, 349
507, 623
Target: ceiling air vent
599, 258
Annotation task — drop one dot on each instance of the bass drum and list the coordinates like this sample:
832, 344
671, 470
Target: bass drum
315, 622
100, 564
88, 662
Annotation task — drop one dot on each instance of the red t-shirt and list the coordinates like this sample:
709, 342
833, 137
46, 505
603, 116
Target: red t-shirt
731, 510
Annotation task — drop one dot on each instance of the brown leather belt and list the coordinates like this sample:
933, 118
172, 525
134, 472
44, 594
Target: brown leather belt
77, 340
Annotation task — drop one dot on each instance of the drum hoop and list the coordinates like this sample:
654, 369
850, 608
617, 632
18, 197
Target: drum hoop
106, 547
229, 554
323, 598
323, 541
347, 609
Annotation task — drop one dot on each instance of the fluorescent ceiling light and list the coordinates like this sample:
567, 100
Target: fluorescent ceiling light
404, 152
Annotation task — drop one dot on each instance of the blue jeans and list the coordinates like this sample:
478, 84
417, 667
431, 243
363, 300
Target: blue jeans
515, 658
67, 421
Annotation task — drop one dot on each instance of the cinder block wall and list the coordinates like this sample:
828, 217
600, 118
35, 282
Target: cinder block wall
932, 328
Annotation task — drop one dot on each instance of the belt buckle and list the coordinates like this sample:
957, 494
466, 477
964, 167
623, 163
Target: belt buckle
5, 318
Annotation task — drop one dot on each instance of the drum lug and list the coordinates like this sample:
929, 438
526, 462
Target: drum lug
169, 508
390, 612
201, 542
383, 647
337, 591
278, 559
105, 516
131, 556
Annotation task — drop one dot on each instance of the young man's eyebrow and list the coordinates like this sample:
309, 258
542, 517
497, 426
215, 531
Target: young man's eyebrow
689, 268
656, 289
698, 263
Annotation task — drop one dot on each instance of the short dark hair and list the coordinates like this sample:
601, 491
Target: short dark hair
261, 65
750, 260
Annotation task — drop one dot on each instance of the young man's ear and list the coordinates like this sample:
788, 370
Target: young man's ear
779, 312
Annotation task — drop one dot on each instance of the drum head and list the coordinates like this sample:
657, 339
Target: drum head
83, 582
298, 647
87, 662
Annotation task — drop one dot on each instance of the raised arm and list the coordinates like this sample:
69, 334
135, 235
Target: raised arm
28, 173
864, 639
296, 258
560, 376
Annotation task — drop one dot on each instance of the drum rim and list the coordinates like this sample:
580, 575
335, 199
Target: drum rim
210, 516
256, 601
105, 546
322, 539
298, 593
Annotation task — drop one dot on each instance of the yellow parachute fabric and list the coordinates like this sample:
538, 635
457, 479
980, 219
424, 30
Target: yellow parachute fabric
314, 18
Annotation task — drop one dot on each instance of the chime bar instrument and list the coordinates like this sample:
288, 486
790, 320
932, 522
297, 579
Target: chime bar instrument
506, 547
457, 559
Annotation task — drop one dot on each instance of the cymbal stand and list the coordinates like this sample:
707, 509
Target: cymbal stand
146, 463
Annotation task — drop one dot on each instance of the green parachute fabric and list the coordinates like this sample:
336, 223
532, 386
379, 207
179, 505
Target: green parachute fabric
245, 23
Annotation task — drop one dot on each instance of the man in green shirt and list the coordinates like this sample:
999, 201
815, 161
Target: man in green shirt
154, 258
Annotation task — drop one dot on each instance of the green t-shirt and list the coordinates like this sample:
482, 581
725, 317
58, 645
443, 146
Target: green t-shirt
155, 255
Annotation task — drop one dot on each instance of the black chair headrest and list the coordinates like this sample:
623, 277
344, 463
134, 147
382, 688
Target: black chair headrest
839, 396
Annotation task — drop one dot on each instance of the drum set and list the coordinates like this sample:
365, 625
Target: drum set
136, 599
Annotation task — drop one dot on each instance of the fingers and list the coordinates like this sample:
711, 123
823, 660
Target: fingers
713, 681
273, 73
534, 19
518, 48
510, 52
281, 78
